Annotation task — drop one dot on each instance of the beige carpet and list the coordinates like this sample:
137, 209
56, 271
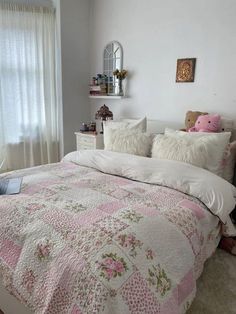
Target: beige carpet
216, 288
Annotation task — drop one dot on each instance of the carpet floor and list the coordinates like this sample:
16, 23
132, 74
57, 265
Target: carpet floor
216, 288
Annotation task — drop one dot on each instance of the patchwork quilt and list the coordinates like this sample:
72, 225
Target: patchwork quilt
76, 240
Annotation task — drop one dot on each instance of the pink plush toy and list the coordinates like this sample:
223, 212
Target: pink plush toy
207, 123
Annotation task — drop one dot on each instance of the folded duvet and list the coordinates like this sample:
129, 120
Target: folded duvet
216, 193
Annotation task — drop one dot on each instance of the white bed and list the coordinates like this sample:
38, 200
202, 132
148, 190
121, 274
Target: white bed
10, 305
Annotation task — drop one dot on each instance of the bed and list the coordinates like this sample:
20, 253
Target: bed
108, 232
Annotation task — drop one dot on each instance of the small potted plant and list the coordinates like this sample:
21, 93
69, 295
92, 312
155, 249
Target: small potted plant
120, 75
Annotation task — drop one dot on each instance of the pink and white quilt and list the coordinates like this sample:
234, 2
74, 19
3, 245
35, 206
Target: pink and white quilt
76, 240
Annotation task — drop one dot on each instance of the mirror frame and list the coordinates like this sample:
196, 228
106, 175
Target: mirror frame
111, 88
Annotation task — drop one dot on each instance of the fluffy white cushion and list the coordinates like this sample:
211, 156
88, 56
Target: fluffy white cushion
128, 141
137, 125
228, 165
215, 143
228, 171
180, 149
140, 124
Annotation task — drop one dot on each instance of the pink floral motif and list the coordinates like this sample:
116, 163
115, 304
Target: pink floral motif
130, 242
43, 250
28, 280
33, 207
112, 266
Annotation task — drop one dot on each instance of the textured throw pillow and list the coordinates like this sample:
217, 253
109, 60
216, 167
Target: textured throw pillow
228, 164
128, 141
216, 144
180, 149
227, 125
228, 168
137, 125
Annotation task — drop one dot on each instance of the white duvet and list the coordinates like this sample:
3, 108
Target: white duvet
216, 193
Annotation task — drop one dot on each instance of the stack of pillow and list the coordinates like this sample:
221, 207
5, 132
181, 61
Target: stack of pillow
127, 137
201, 149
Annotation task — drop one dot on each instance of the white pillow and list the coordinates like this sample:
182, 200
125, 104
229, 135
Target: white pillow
227, 125
128, 141
228, 171
137, 125
228, 164
216, 144
180, 149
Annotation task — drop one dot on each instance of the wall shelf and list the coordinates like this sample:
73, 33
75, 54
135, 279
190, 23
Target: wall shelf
106, 97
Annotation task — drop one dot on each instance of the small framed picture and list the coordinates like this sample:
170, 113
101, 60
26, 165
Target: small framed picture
185, 70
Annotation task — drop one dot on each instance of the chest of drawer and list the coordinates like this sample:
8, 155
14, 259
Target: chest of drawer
82, 140
88, 141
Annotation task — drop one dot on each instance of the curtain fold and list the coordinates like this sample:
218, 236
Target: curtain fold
29, 113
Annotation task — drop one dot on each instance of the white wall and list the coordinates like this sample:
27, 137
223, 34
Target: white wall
75, 67
154, 34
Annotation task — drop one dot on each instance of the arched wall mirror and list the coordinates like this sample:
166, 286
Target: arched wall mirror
112, 60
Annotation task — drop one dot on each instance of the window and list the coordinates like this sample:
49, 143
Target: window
28, 102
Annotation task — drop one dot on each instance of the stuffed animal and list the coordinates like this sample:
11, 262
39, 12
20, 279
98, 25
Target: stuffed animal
207, 123
191, 118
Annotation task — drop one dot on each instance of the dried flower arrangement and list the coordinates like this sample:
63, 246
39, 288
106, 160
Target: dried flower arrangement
121, 75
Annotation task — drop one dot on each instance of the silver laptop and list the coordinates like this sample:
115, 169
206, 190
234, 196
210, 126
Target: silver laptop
10, 186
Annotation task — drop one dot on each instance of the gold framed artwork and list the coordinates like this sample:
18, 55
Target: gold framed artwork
185, 70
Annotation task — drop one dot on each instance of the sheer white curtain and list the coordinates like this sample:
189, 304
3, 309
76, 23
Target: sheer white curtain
29, 114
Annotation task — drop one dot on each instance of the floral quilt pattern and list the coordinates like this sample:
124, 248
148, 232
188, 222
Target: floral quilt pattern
76, 240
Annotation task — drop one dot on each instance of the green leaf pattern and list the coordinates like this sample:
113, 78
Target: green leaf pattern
132, 216
157, 277
130, 242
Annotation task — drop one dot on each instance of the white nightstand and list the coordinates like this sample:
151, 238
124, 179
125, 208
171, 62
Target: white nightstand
87, 140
